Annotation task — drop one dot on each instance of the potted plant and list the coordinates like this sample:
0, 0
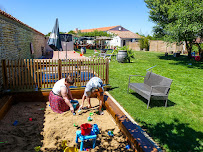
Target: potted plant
123, 54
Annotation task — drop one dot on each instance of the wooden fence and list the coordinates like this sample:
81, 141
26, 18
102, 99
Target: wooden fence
43, 73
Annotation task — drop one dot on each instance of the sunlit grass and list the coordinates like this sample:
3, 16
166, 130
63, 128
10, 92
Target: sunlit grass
179, 127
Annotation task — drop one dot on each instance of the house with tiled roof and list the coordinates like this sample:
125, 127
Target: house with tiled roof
121, 35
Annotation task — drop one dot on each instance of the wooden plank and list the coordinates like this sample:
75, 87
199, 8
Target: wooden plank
40, 74
6, 102
88, 70
59, 69
9, 74
4, 73
93, 67
34, 73
52, 72
131, 130
47, 74
103, 71
31, 72
25, 70
22, 72
72, 73
43, 74
15, 73
55, 71
13, 81
19, 74
37, 74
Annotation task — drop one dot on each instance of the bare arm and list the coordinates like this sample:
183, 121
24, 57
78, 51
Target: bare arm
65, 98
70, 94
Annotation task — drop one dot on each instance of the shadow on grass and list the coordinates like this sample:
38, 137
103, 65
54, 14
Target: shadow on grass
178, 137
154, 103
183, 60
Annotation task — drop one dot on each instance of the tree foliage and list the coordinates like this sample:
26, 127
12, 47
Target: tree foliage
145, 42
177, 20
94, 34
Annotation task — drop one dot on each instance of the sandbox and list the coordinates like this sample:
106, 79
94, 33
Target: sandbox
30, 123
38, 125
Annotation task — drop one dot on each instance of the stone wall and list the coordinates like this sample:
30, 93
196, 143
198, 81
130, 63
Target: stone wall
18, 39
161, 46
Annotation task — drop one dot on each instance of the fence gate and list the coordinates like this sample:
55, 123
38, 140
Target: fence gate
29, 74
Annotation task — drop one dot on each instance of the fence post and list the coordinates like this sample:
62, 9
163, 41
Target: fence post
4, 74
107, 71
59, 69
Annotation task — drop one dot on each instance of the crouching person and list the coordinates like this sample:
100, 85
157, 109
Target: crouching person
94, 87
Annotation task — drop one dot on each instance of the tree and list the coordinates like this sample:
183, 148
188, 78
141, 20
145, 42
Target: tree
177, 20
72, 32
159, 14
144, 42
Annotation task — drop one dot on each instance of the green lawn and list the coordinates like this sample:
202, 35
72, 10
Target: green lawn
179, 127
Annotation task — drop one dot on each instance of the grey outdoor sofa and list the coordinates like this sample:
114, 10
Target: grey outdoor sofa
155, 87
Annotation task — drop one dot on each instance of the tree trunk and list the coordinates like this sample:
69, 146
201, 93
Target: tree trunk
200, 50
189, 49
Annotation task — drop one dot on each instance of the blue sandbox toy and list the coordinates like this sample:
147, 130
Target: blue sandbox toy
95, 129
127, 146
75, 104
110, 133
15, 123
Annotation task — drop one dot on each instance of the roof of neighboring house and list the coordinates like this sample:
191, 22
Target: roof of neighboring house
99, 29
125, 34
15, 19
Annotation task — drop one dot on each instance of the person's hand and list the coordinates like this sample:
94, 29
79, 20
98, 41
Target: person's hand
72, 109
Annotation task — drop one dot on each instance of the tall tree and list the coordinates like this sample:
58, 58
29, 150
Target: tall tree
177, 20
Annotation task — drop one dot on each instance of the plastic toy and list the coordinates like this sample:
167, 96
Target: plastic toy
37, 148
30, 119
85, 137
74, 113
89, 119
70, 149
95, 129
110, 133
15, 123
91, 114
79, 111
75, 125
127, 146
75, 104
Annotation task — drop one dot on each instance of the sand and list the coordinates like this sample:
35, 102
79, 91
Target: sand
49, 129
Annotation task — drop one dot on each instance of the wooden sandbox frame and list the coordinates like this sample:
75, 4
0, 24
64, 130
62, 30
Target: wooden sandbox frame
136, 137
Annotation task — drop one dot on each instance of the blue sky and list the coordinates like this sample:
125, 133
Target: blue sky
82, 14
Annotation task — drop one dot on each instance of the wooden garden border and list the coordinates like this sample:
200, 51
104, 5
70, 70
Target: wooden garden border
134, 134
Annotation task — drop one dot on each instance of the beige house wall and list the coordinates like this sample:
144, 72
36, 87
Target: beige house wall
15, 41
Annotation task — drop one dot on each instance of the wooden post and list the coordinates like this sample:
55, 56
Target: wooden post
4, 73
107, 72
59, 69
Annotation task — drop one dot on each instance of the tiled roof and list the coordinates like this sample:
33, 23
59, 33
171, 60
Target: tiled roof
98, 29
125, 34
15, 19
